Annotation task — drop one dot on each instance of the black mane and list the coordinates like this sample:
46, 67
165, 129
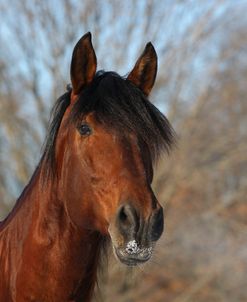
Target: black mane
119, 105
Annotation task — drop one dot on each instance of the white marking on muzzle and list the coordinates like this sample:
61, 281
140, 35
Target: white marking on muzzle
132, 248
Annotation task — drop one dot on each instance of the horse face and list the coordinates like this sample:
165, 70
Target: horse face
104, 176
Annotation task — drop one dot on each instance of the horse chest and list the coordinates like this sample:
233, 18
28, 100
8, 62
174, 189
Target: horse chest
40, 275
54, 279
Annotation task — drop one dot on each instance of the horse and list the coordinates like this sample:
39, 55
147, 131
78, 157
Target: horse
92, 186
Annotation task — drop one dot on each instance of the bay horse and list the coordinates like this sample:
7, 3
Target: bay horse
92, 185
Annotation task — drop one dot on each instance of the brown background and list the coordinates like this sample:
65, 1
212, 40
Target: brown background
202, 88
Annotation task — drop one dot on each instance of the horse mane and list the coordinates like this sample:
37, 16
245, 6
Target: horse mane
56, 117
119, 105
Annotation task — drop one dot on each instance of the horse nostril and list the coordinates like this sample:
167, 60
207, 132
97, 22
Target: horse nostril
127, 219
123, 217
157, 225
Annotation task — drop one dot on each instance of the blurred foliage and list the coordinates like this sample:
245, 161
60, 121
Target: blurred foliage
201, 86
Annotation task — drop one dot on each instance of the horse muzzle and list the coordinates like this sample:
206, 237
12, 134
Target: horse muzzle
133, 237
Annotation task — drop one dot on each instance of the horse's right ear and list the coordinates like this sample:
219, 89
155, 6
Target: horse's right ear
83, 64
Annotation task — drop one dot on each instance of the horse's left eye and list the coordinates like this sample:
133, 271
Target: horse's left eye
85, 129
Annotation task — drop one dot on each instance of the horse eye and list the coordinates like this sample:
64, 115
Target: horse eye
85, 129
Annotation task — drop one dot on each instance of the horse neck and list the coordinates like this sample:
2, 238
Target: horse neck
48, 230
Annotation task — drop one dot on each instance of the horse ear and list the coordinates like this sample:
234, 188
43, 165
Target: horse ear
144, 73
83, 64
